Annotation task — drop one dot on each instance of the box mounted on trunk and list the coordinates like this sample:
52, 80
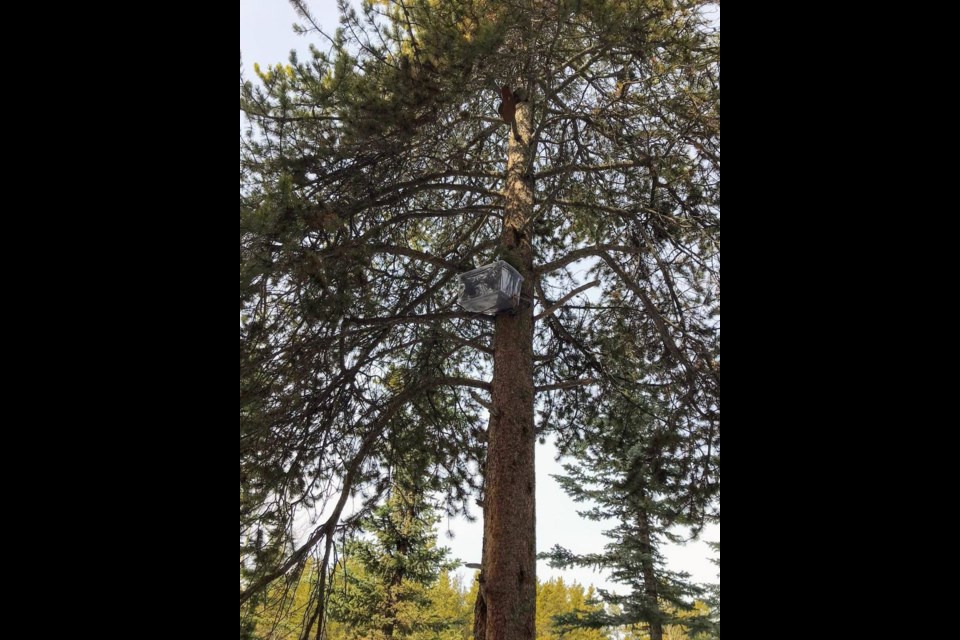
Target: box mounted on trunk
494, 287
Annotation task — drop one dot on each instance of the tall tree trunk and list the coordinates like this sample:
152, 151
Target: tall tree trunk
396, 581
509, 586
650, 577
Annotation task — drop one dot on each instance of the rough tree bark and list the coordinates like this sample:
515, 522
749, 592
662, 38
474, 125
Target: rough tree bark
509, 582
650, 577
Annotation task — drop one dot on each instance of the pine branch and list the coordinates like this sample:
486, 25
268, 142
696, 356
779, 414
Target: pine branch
571, 384
421, 319
580, 254
654, 313
577, 167
565, 299
374, 432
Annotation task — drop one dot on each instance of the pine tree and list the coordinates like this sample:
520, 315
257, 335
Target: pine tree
379, 170
279, 614
383, 589
558, 601
710, 629
451, 616
633, 470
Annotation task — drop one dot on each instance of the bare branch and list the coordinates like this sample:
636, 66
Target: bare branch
458, 382
479, 400
422, 319
565, 299
577, 167
353, 468
580, 254
330, 525
468, 343
413, 253
571, 384
654, 314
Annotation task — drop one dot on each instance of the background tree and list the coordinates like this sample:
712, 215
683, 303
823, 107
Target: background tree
445, 613
378, 170
280, 613
711, 630
557, 600
635, 467
451, 616
387, 594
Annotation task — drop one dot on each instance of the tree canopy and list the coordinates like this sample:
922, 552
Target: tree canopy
376, 171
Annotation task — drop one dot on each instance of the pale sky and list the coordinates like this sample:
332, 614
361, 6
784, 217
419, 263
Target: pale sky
266, 37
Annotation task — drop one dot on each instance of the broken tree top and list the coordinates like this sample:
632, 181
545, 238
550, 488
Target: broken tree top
494, 287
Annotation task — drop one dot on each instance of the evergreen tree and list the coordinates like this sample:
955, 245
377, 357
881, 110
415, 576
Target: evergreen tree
451, 616
557, 601
279, 614
442, 611
377, 171
383, 590
711, 628
634, 470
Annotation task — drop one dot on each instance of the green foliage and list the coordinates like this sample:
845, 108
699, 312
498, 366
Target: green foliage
372, 173
280, 613
638, 457
386, 579
441, 610
557, 604
634, 472
709, 616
